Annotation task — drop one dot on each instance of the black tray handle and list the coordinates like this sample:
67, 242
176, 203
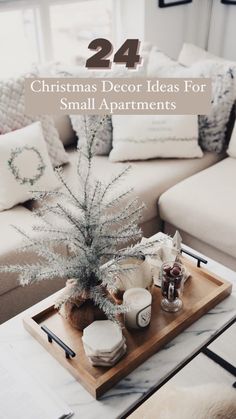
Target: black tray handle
198, 258
51, 336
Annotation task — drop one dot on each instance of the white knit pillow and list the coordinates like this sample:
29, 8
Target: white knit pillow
190, 54
13, 116
24, 166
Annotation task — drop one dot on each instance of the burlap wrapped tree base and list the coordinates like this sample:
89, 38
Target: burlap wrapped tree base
79, 310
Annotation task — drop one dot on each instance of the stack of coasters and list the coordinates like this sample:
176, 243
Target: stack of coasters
104, 343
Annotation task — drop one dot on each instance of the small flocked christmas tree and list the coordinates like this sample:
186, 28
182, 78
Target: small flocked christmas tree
93, 223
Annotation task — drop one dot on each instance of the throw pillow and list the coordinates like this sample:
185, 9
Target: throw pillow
13, 116
212, 127
149, 136
161, 65
82, 123
232, 145
190, 54
24, 166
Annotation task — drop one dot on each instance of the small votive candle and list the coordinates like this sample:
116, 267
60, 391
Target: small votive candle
139, 301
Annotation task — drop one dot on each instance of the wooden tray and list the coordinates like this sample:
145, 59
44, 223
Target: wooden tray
202, 292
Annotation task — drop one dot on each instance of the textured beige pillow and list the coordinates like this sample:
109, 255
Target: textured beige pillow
13, 116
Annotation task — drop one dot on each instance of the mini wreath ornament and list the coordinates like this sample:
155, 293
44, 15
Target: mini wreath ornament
12, 164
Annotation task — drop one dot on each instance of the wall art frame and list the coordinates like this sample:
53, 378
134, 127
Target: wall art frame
170, 3
232, 2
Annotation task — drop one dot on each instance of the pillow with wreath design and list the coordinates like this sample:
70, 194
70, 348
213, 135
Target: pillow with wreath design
24, 166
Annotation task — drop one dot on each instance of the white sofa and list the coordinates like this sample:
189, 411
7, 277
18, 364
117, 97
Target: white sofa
174, 185
203, 208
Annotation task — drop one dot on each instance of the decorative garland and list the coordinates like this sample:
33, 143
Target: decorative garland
15, 170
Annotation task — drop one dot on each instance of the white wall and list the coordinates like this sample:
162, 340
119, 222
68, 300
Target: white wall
130, 19
170, 27
206, 23
222, 33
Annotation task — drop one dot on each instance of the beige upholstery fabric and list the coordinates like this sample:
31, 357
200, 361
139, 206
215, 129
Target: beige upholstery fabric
18, 216
151, 227
12, 241
204, 206
203, 248
65, 130
148, 178
19, 298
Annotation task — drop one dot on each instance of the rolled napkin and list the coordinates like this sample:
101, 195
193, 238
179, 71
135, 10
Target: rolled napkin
165, 249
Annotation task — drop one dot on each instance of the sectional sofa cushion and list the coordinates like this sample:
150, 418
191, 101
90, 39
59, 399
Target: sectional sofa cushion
24, 166
12, 241
13, 297
145, 137
149, 179
13, 117
212, 127
204, 206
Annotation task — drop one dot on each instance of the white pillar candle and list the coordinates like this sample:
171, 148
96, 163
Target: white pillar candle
139, 301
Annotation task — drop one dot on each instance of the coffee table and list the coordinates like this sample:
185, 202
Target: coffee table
129, 392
